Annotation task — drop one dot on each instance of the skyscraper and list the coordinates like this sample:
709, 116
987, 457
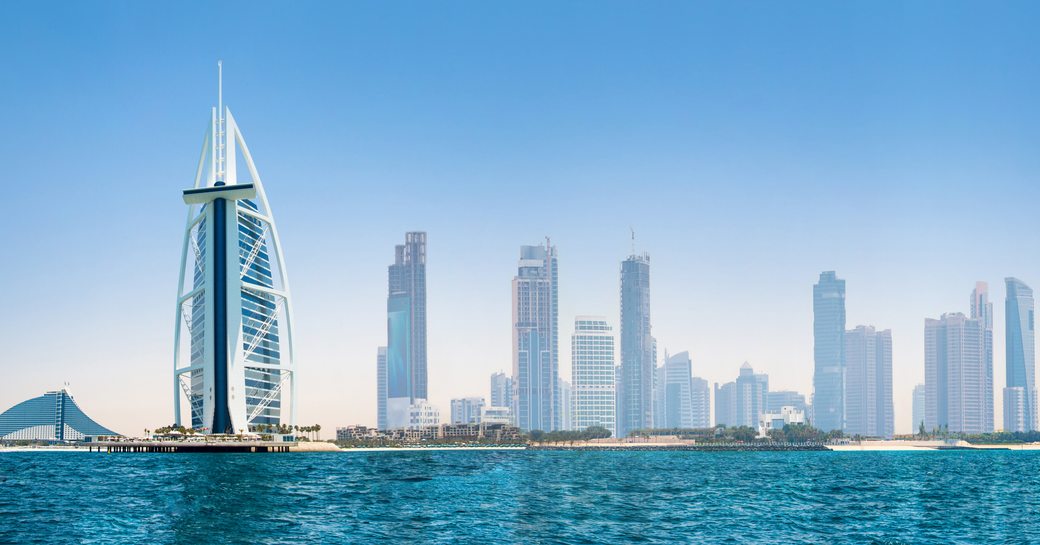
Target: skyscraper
1020, 394
535, 350
742, 402
785, 398
406, 329
466, 410
829, 352
381, 388
637, 347
501, 390
919, 403
726, 404
236, 362
592, 373
701, 403
868, 383
676, 392
565, 405
955, 375
982, 310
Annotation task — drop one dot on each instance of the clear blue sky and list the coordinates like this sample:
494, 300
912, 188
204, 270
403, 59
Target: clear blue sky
750, 145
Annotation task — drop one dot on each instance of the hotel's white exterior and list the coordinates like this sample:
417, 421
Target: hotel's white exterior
593, 394
233, 338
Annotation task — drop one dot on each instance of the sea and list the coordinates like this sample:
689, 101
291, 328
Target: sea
523, 497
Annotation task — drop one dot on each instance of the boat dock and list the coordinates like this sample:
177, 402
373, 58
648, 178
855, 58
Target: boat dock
191, 446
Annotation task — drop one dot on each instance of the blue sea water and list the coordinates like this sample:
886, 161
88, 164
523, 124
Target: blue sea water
462, 497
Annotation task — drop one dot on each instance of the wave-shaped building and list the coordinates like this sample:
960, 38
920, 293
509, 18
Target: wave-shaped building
54, 416
233, 356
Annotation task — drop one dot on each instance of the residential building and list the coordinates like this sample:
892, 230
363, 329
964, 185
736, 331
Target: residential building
496, 415
956, 376
381, 421
1020, 412
593, 371
982, 310
829, 352
675, 392
466, 410
422, 414
868, 383
535, 328
776, 420
501, 390
565, 405
786, 398
919, 402
742, 402
638, 357
700, 402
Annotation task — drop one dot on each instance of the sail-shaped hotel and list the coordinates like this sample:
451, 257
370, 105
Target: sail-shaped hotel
234, 370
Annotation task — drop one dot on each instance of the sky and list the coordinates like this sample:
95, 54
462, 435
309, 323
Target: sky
749, 145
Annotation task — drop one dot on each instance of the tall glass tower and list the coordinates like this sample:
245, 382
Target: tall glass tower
955, 375
406, 381
868, 383
982, 310
637, 347
235, 364
1020, 394
829, 352
535, 350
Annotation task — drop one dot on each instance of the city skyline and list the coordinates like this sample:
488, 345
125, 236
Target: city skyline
744, 172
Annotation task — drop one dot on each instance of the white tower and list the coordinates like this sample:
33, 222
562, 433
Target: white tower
235, 365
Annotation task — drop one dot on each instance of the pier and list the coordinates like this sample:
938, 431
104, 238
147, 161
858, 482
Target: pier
191, 446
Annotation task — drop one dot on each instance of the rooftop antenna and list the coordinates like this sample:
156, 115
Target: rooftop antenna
220, 121
630, 228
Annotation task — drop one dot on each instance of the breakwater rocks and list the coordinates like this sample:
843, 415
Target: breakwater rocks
701, 447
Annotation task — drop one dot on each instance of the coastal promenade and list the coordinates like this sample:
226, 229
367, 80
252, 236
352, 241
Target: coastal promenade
192, 445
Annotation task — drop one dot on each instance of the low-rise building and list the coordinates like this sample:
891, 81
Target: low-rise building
776, 420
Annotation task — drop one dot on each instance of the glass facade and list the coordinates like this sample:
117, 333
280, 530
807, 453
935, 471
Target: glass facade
829, 352
592, 374
260, 327
637, 347
1020, 360
54, 416
535, 350
955, 375
868, 383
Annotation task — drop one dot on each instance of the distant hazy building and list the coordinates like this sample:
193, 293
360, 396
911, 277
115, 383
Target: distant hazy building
786, 398
466, 410
726, 404
54, 416
868, 383
535, 350
956, 376
829, 352
406, 330
742, 402
919, 402
496, 415
593, 374
1020, 394
982, 310
675, 392
565, 405
701, 403
422, 414
381, 393
501, 390
637, 347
